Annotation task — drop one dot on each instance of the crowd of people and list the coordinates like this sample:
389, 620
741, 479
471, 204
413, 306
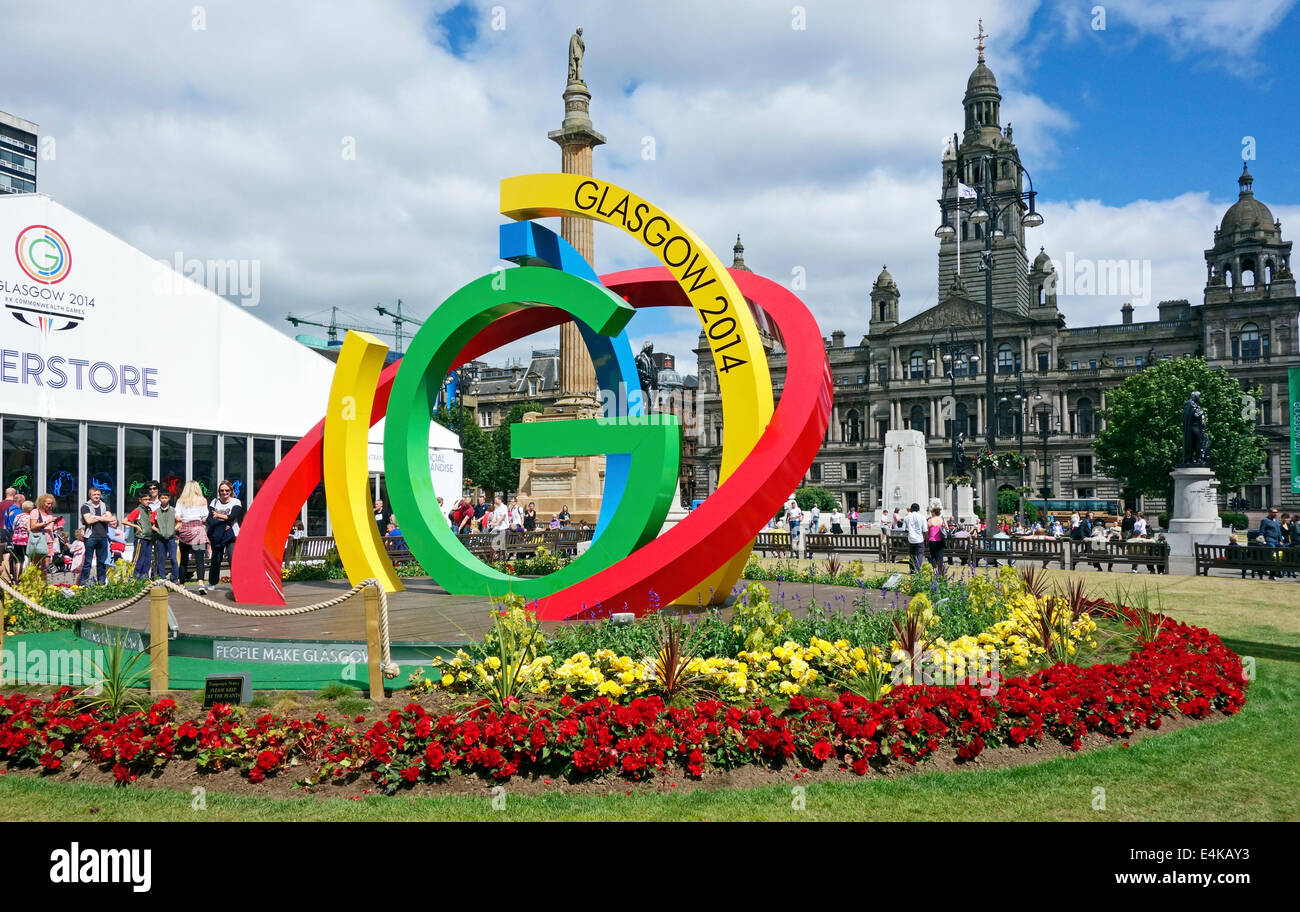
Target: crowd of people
168, 538
927, 531
466, 517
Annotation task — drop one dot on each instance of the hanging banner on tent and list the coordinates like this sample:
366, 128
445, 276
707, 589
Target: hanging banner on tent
1293, 375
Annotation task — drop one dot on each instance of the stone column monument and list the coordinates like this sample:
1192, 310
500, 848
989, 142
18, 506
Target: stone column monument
1194, 513
572, 481
576, 138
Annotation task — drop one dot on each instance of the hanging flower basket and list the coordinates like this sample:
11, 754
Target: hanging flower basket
988, 461
957, 480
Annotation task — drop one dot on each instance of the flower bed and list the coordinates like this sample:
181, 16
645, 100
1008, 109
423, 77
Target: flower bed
1183, 671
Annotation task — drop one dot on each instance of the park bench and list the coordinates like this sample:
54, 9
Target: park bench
1152, 554
772, 543
846, 543
311, 548
994, 550
1257, 558
398, 552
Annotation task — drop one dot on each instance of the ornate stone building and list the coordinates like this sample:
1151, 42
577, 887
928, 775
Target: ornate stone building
896, 376
496, 390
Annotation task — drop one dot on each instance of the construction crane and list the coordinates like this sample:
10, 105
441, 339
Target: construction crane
398, 320
333, 327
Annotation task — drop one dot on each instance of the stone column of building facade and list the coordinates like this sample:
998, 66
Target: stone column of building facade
572, 482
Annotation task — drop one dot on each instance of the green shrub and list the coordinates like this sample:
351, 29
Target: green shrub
65, 599
1235, 520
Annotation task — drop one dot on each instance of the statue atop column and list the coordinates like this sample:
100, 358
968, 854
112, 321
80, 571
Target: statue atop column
576, 49
1196, 439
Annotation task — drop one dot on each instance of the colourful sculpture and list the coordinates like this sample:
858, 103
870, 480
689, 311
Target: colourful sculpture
346, 438
628, 567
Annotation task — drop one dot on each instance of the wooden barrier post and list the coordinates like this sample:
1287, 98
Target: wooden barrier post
373, 648
158, 676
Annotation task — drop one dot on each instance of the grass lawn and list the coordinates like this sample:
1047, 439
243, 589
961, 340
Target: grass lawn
1239, 769
1258, 611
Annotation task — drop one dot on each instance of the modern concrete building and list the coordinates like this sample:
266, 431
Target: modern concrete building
18, 141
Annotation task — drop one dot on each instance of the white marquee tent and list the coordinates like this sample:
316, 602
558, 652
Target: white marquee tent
116, 369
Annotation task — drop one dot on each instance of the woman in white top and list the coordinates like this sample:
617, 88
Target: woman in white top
191, 522
516, 515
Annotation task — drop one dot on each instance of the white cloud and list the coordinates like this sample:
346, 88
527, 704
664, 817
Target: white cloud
821, 147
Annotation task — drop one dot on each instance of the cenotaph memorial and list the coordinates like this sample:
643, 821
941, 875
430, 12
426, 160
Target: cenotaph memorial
905, 480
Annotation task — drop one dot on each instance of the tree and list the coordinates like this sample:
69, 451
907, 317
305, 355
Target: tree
478, 450
1008, 501
806, 497
1142, 441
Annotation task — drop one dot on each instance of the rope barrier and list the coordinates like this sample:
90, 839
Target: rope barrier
389, 668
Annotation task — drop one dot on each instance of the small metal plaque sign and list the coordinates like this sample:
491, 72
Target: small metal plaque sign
227, 688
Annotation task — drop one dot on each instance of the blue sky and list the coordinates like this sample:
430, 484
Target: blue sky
357, 157
1157, 114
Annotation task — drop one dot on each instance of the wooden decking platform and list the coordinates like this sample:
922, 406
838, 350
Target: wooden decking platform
424, 612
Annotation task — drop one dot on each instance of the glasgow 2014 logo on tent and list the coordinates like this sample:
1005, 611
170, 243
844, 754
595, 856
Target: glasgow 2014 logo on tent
45, 257
43, 254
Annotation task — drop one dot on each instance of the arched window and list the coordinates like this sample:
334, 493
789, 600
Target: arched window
1042, 296
1006, 359
1086, 422
917, 421
1007, 416
1247, 273
1251, 342
916, 365
852, 429
962, 422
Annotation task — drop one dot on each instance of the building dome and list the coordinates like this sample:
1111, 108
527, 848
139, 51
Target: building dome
1247, 213
981, 78
670, 379
1042, 262
884, 281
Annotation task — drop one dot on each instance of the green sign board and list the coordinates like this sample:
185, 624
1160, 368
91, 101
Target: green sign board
1294, 376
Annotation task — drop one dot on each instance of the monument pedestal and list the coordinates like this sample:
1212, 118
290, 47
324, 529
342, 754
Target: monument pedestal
556, 481
965, 507
1194, 513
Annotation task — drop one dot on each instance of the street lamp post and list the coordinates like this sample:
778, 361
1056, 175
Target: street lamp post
954, 353
1020, 393
465, 378
1046, 425
987, 208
